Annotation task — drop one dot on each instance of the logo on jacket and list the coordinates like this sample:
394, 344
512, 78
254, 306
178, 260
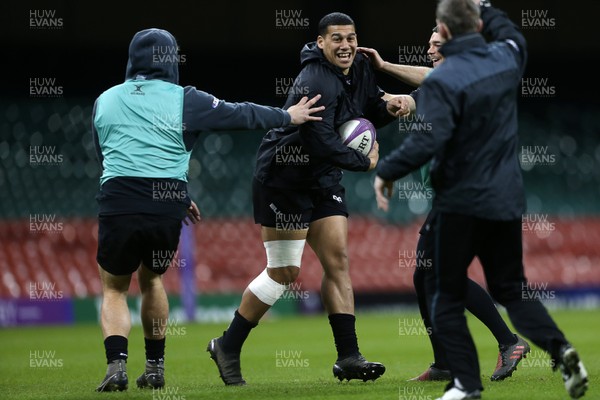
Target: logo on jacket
215, 102
337, 198
138, 90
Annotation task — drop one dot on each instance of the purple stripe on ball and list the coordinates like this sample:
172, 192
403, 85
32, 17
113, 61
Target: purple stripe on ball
358, 127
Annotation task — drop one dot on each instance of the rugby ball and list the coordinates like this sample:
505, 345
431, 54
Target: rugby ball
359, 134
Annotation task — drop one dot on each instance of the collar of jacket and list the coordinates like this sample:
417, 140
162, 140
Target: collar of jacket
461, 43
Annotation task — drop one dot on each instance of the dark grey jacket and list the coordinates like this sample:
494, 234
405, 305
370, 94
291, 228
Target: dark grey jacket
467, 112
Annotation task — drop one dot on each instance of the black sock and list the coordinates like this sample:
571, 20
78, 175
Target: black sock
155, 349
344, 334
481, 305
116, 348
235, 336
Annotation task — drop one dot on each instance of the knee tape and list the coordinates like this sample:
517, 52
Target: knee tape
284, 253
266, 289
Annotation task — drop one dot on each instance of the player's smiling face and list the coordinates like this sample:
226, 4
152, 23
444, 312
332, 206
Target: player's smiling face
339, 45
435, 42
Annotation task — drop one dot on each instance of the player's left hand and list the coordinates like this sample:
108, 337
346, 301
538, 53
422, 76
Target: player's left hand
374, 156
301, 111
193, 214
383, 193
373, 56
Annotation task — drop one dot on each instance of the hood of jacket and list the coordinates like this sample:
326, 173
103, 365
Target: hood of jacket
153, 54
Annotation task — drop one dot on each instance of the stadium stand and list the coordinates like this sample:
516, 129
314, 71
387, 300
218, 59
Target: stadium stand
228, 251
225, 264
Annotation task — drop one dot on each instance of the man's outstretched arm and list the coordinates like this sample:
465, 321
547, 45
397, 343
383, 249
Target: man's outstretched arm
409, 74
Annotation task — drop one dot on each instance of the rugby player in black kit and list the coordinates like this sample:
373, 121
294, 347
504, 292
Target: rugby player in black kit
299, 198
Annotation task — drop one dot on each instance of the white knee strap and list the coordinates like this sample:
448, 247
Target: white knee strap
266, 289
284, 253
280, 253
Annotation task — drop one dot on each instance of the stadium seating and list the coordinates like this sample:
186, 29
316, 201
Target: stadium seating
228, 250
567, 257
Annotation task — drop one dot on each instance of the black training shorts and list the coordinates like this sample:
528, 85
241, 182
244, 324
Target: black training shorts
125, 241
289, 209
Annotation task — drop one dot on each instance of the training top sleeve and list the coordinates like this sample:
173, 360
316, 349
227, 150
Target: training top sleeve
498, 27
419, 147
205, 112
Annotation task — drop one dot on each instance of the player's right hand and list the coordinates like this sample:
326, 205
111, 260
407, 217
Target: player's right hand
193, 214
301, 112
399, 105
374, 156
383, 193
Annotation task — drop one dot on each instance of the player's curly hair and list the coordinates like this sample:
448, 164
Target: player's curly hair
460, 16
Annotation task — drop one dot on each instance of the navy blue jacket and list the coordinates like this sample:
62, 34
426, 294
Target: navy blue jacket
468, 107
321, 153
201, 112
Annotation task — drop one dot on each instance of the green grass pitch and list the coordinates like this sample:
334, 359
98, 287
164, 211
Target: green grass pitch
288, 358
